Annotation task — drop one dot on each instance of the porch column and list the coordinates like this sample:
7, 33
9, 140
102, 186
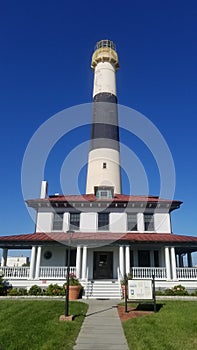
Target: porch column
152, 259
32, 262
121, 260
167, 263
189, 259
127, 259
78, 262
173, 263
84, 263
4, 257
38, 259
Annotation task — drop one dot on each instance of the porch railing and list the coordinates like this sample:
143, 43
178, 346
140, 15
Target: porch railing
15, 272
148, 272
53, 272
184, 273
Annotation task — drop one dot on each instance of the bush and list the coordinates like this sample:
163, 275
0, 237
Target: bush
176, 290
4, 285
54, 289
35, 290
169, 291
22, 291
13, 292
180, 290
159, 292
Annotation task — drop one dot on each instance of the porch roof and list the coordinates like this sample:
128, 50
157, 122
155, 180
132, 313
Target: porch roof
90, 199
42, 238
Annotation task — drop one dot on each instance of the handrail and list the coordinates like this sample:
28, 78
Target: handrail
86, 284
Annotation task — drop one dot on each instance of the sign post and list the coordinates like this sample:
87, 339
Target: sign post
126, 292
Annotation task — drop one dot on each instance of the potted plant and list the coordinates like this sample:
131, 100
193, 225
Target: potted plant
74, 287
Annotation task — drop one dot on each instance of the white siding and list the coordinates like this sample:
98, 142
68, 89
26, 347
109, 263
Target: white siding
162, 222
44, 221
88, 222
118, 222
58, 256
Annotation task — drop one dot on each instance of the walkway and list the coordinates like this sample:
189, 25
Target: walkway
102, 328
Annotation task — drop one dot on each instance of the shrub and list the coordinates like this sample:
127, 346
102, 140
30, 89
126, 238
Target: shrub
159, 292
35, 290
22, 291
180, 290
54, 289
177, 290
13, 292
4, 285
169, 291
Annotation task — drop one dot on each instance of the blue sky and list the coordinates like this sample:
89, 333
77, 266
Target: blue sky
46, 49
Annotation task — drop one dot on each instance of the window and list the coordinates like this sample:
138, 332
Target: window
47, 255
74, 221
104, 165
104, 191
58, 221
132, 222
103, 221
148, 222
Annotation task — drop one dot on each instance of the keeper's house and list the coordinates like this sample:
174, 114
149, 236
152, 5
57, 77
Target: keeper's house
109, 233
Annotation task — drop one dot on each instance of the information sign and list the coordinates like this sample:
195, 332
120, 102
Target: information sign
140, 289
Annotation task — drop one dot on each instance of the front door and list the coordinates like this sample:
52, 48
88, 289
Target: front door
103, 265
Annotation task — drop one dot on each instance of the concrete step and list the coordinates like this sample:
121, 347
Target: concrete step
96, 289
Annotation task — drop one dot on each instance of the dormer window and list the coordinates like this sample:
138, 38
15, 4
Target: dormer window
104, 192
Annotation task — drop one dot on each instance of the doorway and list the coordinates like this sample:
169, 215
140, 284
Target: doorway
103, 265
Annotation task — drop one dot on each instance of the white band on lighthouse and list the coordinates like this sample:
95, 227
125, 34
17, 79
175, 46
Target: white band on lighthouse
104, 78
104, 156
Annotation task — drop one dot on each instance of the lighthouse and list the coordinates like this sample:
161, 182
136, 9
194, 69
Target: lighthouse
103, 173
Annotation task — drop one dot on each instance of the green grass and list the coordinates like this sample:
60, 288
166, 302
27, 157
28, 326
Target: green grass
34, 325
172, 328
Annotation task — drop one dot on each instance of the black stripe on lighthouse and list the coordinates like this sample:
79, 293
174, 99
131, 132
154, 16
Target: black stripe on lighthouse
105, 130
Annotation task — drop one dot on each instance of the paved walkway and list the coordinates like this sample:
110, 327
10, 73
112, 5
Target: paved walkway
102, 328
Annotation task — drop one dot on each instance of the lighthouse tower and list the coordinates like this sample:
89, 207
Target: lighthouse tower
103, 175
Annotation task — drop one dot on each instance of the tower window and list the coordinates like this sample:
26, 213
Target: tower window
58, 221
74, 221
149, 222
132, 222
103, 221
104, 165
104, 192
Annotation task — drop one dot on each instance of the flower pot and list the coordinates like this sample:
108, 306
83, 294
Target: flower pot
74, 292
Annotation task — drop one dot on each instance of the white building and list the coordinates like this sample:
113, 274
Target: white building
109, 233
15, 261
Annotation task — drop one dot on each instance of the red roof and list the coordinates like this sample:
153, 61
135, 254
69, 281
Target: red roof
93, 198
99, 236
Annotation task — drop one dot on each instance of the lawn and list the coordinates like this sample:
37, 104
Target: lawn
34, 325
172, 328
